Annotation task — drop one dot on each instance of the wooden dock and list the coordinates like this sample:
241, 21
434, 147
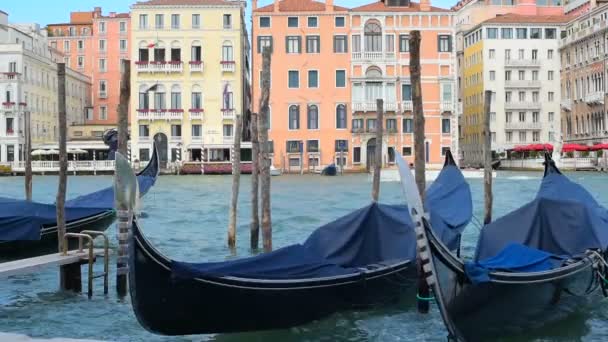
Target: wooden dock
32, 265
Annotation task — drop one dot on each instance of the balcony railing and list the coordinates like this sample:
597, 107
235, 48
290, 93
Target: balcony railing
228, 114
595, 98
566, 104
10, 76
174, 66
357, 130
522, 63
196, 66
175, 114
522, 105
103, 95
143, 114
196, 114
53, 166
228, 66
446, 106
372, 106
9, 106
372, 55
522, 84
157, 67
522, 126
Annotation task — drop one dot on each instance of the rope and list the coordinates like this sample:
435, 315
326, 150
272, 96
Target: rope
424, 299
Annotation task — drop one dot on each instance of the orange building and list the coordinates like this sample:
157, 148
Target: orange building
96, 44
330, 64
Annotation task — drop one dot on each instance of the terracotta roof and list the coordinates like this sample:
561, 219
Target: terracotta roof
380, 6
299, 6
71, 24
511, 18
118, 15
184, 2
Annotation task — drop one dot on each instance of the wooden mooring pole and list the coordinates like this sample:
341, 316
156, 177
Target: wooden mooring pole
264, 155
487, 157
123, 214
378, 152
254, 227
236, 180
27, 154
419, 154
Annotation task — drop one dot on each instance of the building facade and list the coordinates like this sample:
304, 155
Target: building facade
583, 85
329, 66
28, 82
189, 78
96, 44
516, 57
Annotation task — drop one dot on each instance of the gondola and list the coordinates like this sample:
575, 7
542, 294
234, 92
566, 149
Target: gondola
329, 170
30, 229
536, 265
361, 260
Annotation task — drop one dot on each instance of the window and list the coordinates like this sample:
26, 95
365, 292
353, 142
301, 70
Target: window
80, 45
509, 136
227, 52
54, 45
103, 88
341, 116
390, 43
492, 33
144, 154
507, 96
176, 99
144, 131
356, 46
506, 33
522, 96
175, 21
407, 151
143, 21
66, 46
521, 75
358, 125
508, 75
535, 96
176, 130
340, 44
159, 21
123, 45
312, 145
535, 116
264, 21
340, 78
535, 136
144, 55
551, 116
197, 100
227, 21
534, 75
551, 96
293, 44
373, 36
102, 65
492, 54
492, 116
521, 54
492, 75
550, 33
197, 131
313, 78
102, 45
371, 125
549, 54
550, 75
406, 92
444, 43
522, 116
80, 62
446, 92
144, 100
356, 154
535, 33
404, 43
264, 42
313, 44
159, 101
313, 117
340, 22
408, 125
294, 79
294, 146
522, 33
534, 54
522, 136
508, 117
294, 117
102, 27
292, 22
103, 113
313, 22
122, 27
445, 126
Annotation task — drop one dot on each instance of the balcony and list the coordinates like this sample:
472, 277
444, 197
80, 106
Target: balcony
10, 133
522, 63
103, 95
595, 98
523, 105
143, 114
143, 66
372, 56
566, 104
523, 126
358, 130
175, 114
196, 66
228, 66
159, 67
407, 106
228, 113
196, 114
372, 106
159, 114
446, 106
10, 76
522, 84
10, 106
174, 67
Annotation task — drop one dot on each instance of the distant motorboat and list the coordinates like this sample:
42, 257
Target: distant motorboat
392, 175
329, 170
274, 171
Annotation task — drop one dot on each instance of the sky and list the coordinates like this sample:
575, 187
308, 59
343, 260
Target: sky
46, 12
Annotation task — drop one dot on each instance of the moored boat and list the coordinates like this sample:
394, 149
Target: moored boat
330, 170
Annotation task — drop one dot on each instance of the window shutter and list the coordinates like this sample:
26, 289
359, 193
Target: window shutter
299, 44
450, 43
439, 43
345, 43
287, 44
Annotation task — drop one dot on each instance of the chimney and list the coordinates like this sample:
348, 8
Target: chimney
97, 12
276, 5
329, 5
254, 5
425, 5
112, 14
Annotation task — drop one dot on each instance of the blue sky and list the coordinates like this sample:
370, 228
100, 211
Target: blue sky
45, 12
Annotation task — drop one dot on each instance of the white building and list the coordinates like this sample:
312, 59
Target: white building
28, 82
517, 58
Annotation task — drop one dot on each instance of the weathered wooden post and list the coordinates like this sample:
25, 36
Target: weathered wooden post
125, 200
236, 179
255, 183
378, 161
123, 214
27, 154
419, 162
487, 157
264, 155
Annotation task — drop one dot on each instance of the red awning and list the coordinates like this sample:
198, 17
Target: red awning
533, 147
599, 147
574, 147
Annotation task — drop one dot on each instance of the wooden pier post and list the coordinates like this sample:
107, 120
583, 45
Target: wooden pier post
419, 153
378, 161
27, 154
123, 138
487, 157
255, 183
264, 155
236, 180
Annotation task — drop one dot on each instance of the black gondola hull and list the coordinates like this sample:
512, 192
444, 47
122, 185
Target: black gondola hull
169, 306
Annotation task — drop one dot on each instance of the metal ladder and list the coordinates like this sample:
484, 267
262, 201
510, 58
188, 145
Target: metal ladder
90, 236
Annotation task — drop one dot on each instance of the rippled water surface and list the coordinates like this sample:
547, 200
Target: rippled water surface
186, 218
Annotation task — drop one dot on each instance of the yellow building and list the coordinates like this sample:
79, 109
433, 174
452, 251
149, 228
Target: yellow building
189, 78
473, 98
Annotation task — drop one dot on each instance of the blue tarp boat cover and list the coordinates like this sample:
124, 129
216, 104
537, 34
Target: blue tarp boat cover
563, 219
377, 233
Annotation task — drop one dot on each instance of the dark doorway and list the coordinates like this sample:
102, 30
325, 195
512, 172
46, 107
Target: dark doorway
163, 149
371, 153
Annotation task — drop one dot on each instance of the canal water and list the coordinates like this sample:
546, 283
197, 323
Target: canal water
186, 218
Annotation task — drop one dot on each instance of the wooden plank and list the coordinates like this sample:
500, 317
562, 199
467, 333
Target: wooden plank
32, 265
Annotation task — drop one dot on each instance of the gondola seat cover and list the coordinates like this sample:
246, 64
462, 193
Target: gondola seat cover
563, 220
375, 234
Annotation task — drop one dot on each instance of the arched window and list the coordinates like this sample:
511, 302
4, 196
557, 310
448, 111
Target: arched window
196, 52
197, 97
373, 72
159, 97
176, 51
294, 117
176, 97
313, 117
144, 98
159, 51
228, 97
341, 116
227, 52
373, 36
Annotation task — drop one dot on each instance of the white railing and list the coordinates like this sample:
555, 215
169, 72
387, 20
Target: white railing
446, 106
566, 104
228, 66
196, 66
523, 126
522, 62
537, 163
596, 97
372, 106
390, 107
53, 166
372, 55
153, 66
9, 106
174, 67
407, 106
228, 114
144, 114
143, 66
522, 105
522, 84
175, 115
196, 115
10, 76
